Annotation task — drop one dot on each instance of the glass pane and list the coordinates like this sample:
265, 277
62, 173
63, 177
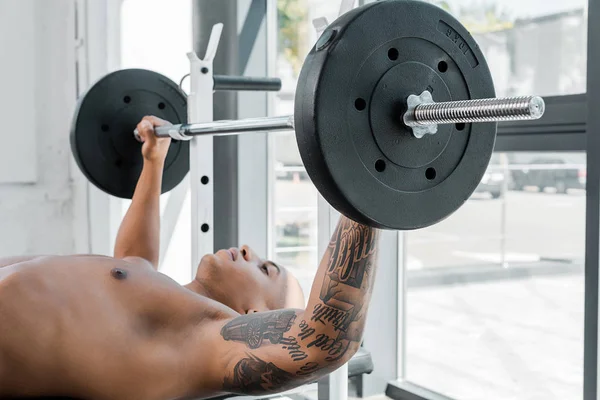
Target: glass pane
294, 196
295, 212
164, 51
532, 46
296, 36
496, 291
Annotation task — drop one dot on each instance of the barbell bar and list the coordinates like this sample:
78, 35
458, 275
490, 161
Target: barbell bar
425, 114
378, 126
246, 83
224, 127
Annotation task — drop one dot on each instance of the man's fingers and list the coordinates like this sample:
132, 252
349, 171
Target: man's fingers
155, 121
145, 130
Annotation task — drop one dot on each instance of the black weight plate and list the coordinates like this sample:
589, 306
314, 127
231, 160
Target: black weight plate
350, 101
102, 139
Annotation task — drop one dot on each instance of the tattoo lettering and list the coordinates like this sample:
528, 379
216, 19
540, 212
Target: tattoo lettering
251, 375
305, 330
352, 243
252, 329
291, 345
308, 369
336, 348
323, 314
348, 277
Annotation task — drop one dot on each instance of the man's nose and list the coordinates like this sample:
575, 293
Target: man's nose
247, 252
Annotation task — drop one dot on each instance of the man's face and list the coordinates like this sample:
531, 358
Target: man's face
247, 283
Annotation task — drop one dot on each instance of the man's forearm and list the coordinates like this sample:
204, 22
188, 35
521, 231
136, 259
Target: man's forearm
139, 234
341, 292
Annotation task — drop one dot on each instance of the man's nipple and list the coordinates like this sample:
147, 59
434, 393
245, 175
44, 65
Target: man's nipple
118, 273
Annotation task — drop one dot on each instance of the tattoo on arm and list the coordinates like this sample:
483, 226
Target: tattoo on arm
251, 375
254, 329
308, 369
349, 278
291, 345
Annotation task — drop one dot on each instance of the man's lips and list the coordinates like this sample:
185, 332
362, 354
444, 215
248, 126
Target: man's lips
233, 252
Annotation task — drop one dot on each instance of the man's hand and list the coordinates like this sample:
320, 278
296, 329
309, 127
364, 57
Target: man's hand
154, 149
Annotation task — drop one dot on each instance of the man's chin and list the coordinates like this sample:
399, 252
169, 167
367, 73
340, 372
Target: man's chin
209, 261
219, 260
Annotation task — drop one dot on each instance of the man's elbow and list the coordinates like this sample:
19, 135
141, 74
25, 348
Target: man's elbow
351, 352
322, 363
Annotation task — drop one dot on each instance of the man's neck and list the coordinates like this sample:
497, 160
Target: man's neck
197, 287
201, 289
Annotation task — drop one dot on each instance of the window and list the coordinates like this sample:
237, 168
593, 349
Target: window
294, 197
495, 298
532, 46
146, 45
163, 51
495, 293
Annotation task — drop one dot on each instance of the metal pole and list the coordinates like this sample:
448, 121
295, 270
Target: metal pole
481, 110
503, 217
207, 13
224, 128
424, 115
200, 108
591, 372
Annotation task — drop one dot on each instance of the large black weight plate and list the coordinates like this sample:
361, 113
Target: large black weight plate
349, 105
102, 139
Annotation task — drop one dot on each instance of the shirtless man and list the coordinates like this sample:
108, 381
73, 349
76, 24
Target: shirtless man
93, 327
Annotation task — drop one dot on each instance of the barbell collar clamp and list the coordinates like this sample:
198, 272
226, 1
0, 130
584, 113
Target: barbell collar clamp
410, 118
424, 114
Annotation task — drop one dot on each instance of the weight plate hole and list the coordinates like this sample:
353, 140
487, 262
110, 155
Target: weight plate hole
380, 165
430, 174
443, 66
104, 128
127, 99
161, 106
205, 228
393, 54
460, 127
204, 180
360, 104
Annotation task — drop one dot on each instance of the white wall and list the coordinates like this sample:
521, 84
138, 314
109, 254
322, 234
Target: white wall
37, 212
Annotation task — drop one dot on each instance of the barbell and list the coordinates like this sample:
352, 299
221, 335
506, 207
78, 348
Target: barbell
395, 117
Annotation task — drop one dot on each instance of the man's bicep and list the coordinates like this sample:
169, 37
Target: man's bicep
273, 352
